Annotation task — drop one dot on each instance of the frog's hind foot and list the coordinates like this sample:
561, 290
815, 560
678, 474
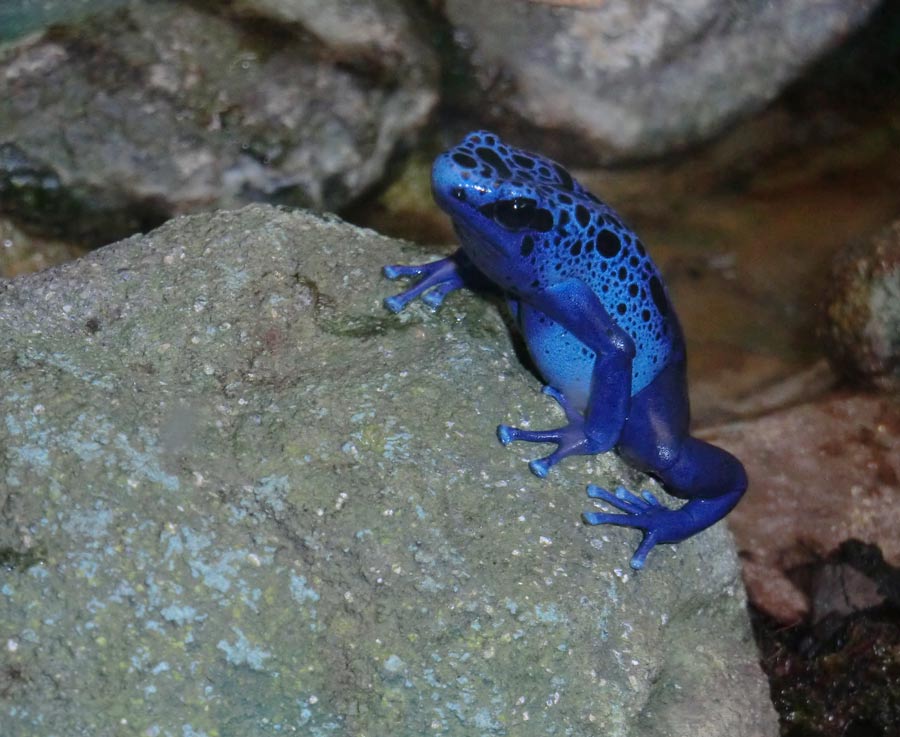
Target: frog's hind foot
643, 512
659, 523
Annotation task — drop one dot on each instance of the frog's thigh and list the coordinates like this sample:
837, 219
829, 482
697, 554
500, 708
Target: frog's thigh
658, 421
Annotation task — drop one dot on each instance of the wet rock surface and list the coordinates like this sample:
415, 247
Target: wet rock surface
238, 495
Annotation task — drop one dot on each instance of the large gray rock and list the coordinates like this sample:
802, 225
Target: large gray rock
238, 497
626, 79
135, 114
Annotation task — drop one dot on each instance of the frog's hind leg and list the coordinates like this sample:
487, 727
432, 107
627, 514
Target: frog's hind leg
656, 440
712, 479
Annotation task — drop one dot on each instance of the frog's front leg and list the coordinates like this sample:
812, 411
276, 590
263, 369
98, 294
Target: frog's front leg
439, 278
574, 306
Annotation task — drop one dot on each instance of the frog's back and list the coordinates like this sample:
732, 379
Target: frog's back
583, 238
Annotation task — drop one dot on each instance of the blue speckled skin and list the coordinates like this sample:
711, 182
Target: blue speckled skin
597, 320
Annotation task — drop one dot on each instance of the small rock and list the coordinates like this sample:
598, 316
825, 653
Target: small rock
839, 589
862, 311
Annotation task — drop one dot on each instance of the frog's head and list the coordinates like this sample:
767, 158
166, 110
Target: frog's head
504, 204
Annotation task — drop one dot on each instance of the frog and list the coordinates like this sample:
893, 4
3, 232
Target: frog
598, 323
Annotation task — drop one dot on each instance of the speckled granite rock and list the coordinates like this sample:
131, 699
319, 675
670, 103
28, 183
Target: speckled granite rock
625, 79
118, 121
238, 497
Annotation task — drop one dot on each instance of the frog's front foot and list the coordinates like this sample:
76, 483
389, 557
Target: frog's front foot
439, 278
570, 440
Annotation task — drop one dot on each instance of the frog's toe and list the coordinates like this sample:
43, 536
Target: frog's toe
572, 413
508, 434
645, 512
435, 298
569, 440
541, 466
625, 500
397, 302
395, 271
554, 394
634, 507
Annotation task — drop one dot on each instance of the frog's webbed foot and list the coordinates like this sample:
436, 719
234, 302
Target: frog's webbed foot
439, 278
570, 440
659, 523
643, 512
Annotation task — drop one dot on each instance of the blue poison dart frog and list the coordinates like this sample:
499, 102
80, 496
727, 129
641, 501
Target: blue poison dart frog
597, 321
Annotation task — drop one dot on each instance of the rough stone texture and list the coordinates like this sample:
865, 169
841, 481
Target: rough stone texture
820, 473
862, 311
166, 107
239, 497
636, 79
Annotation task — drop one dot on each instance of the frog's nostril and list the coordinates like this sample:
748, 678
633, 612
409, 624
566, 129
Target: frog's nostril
459, 194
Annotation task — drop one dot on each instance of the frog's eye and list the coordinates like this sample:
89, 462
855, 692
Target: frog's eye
520, 213
514, 214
